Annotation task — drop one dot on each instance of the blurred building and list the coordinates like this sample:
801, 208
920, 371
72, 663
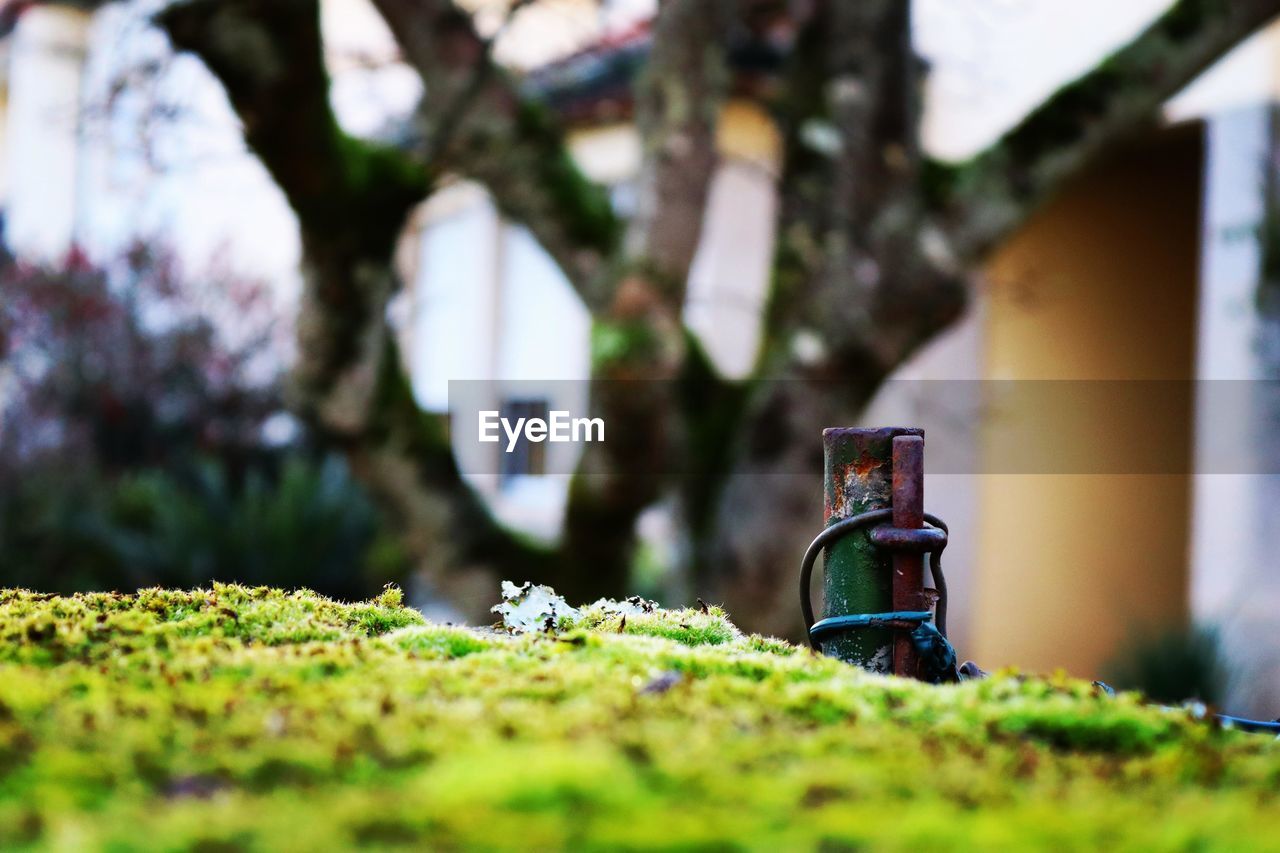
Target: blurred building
1147, 268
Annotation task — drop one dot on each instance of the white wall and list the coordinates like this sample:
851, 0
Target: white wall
990, 63
160, 154
454, 297
1235, 579
993, 60
488, 303
729, 279
544, 329
43, 127
544, 347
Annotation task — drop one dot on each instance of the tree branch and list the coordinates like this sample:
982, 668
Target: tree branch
516, 148
678, 100
269, 58
989, 196
850, 267
350, 196
407, 460
872, 96
678, 104
513, 147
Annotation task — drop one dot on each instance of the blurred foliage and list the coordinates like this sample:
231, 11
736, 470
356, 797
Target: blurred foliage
129, 364
144, 440
230, 718
309, 525
1173, 666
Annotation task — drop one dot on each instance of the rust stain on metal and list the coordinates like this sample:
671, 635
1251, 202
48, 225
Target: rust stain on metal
866, 485
864, 465
836, 505
858, 484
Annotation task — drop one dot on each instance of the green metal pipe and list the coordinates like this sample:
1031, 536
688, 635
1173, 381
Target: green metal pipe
857, 475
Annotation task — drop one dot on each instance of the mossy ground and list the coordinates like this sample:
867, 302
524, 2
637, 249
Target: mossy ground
238, 718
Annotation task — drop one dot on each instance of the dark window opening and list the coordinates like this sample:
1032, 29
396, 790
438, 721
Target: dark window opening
526, 458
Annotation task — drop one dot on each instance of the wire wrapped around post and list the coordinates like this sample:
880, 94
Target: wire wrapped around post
928, 630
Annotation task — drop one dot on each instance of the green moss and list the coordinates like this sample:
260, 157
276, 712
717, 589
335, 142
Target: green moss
583, 206
382, 183
1068, 114
235, 718
1187, 18
938, 182
687, 627
441, 641
1267, 295
712, 409
618, 343
47, 630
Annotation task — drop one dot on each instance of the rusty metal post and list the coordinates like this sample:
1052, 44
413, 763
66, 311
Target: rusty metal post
908, 566
858, 576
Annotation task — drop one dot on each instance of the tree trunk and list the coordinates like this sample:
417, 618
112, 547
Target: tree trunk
770, 505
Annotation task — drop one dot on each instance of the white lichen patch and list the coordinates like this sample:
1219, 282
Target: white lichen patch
631, 606
528, 607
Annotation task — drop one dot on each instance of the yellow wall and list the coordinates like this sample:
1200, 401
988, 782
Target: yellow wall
1100, 285
610, 153
746, 132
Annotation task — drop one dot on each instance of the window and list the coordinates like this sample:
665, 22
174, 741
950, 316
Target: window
527, 458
